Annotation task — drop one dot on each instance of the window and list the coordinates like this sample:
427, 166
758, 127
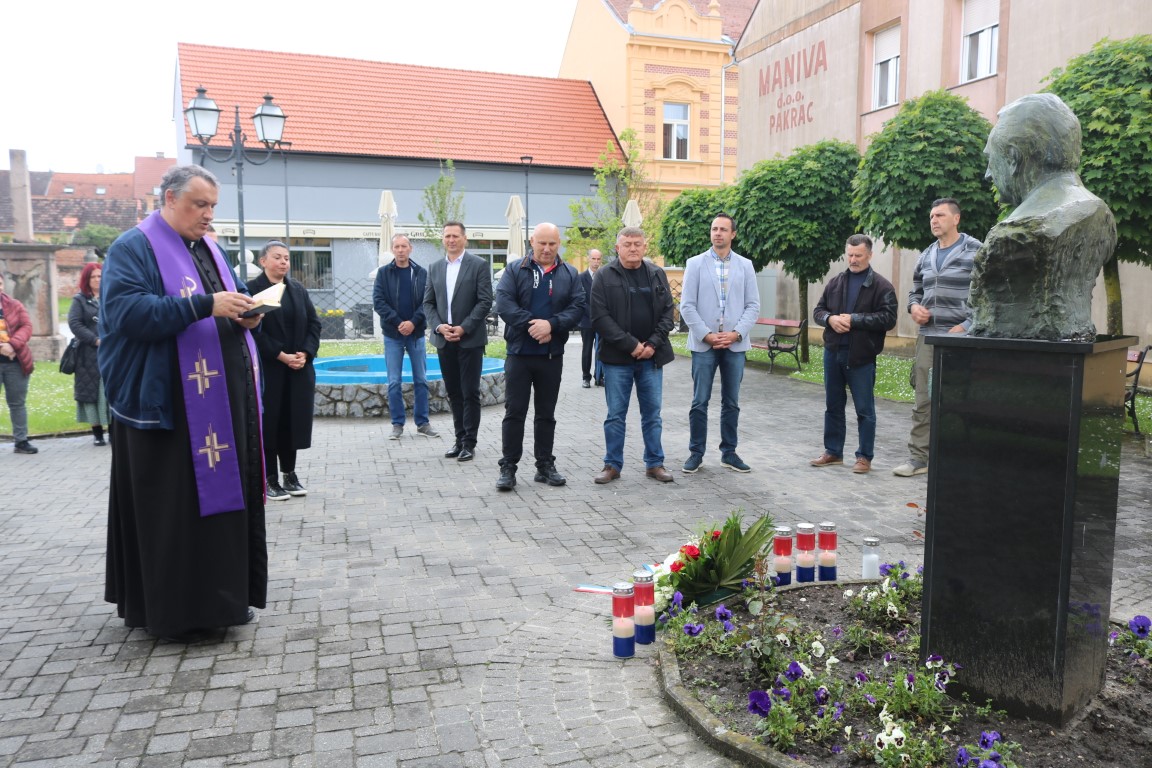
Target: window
981, 38
675, 131
68, 190
101, 190
312, 262
886, 71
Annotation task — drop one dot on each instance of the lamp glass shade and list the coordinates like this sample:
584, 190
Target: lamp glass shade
202, 115
269, 120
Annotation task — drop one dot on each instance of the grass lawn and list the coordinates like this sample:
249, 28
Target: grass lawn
51, 409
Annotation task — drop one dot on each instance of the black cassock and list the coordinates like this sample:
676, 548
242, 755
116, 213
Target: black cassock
169, 569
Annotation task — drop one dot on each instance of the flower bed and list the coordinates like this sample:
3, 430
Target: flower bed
829, 680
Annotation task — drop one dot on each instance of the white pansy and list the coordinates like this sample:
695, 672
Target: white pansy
828, 664
893, 611
805, 668
817, 648
848, 593
783, 640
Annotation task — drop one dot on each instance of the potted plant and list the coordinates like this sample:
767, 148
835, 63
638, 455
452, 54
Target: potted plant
331, 323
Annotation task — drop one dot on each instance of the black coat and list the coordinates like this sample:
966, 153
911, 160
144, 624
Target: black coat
293, 328
82, 319
872, 317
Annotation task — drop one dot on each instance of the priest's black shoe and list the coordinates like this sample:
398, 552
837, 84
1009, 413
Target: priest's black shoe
454, 451
292, 485
546, 473
507, 479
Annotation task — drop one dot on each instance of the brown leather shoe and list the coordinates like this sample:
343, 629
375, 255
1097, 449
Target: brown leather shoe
826, 460
607, 475
659, 473
862, 466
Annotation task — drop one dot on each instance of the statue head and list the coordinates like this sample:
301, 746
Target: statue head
1036, 135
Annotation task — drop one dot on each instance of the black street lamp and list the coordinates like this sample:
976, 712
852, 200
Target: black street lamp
203, 116
526, 161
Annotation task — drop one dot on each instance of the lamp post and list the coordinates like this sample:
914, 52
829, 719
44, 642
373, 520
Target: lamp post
526, 161
203, 116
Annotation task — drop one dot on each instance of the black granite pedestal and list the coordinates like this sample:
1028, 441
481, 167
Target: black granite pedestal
1022, 486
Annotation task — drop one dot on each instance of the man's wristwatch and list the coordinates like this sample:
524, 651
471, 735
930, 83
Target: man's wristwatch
739, 337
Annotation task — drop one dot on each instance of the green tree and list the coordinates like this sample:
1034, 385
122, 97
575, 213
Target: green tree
597, 218
797, 210
441, 203
932, 148
685, 228
98, 236
1110, 90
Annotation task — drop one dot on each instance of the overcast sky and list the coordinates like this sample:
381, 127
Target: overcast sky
86, 87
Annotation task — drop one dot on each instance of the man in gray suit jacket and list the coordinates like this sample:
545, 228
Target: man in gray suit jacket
720, 302
456, 305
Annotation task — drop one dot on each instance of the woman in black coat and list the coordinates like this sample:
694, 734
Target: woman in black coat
288, 340
87, 388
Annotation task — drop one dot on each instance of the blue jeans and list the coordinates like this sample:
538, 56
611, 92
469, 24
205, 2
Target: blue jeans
15, 385
861, 381
394, 350
618, 380
704, 365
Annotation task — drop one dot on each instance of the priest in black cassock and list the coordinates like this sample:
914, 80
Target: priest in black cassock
186, 542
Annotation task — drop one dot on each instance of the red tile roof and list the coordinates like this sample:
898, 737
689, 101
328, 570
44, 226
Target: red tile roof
369, 108
115, 185
735, 12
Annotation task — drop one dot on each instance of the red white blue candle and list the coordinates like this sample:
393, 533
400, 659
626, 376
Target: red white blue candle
645, 611
827, 556
805, 553
782, 551
623, 623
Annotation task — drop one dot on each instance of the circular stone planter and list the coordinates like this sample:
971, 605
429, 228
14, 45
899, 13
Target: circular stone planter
357, 387
709, 727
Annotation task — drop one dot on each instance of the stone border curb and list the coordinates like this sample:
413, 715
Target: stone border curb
706, 725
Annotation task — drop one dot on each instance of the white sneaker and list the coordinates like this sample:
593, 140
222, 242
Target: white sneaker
397, 432
427, 431
910, 468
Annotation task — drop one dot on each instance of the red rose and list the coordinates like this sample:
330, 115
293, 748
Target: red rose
691, 551
676, 567
715, 535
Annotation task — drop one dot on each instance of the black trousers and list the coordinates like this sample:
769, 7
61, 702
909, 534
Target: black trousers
460, 367
588, 336
524, 374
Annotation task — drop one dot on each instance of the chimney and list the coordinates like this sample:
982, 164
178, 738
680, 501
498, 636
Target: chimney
21, 189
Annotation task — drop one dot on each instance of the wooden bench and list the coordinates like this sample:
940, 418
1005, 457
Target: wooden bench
1132, 387
785, 340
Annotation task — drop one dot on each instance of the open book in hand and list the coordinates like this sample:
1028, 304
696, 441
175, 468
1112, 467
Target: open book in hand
266, 301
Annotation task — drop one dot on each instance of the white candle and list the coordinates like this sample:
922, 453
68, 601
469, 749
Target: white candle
827, 559
870, 567
623, 627
645, 615
783, 564
805, 559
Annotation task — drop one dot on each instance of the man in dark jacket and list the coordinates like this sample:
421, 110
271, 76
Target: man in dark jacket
857, 308
540, 300
398, 297
587, 332
632, 313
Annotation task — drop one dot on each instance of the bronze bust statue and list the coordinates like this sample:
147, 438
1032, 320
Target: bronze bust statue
1033, 278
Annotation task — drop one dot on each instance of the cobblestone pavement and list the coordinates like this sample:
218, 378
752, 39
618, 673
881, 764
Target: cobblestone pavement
418, 617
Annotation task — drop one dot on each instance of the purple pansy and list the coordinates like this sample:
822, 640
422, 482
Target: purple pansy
729, 626
794, 672
759, 703
988, 738
722, 613
837, 632
693, 629
821, 695
678, 599
962, 757
869, 698
782, 693
910, 681
838, 709
1140, 626
860, 677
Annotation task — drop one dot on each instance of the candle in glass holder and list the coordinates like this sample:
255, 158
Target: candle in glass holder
870, 562
805, 536
623, 624
827, 557
645, 613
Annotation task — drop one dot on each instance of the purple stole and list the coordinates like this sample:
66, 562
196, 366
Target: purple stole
206, 405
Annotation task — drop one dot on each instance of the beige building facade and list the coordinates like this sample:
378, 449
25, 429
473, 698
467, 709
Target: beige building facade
665, 70
839, 69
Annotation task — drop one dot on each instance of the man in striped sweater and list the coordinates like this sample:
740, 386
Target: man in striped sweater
938, 302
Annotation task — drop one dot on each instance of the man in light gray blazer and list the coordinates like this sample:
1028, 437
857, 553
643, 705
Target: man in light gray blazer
456, 304
720, 302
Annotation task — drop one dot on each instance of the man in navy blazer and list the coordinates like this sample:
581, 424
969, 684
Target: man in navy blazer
720, 302
456, 305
